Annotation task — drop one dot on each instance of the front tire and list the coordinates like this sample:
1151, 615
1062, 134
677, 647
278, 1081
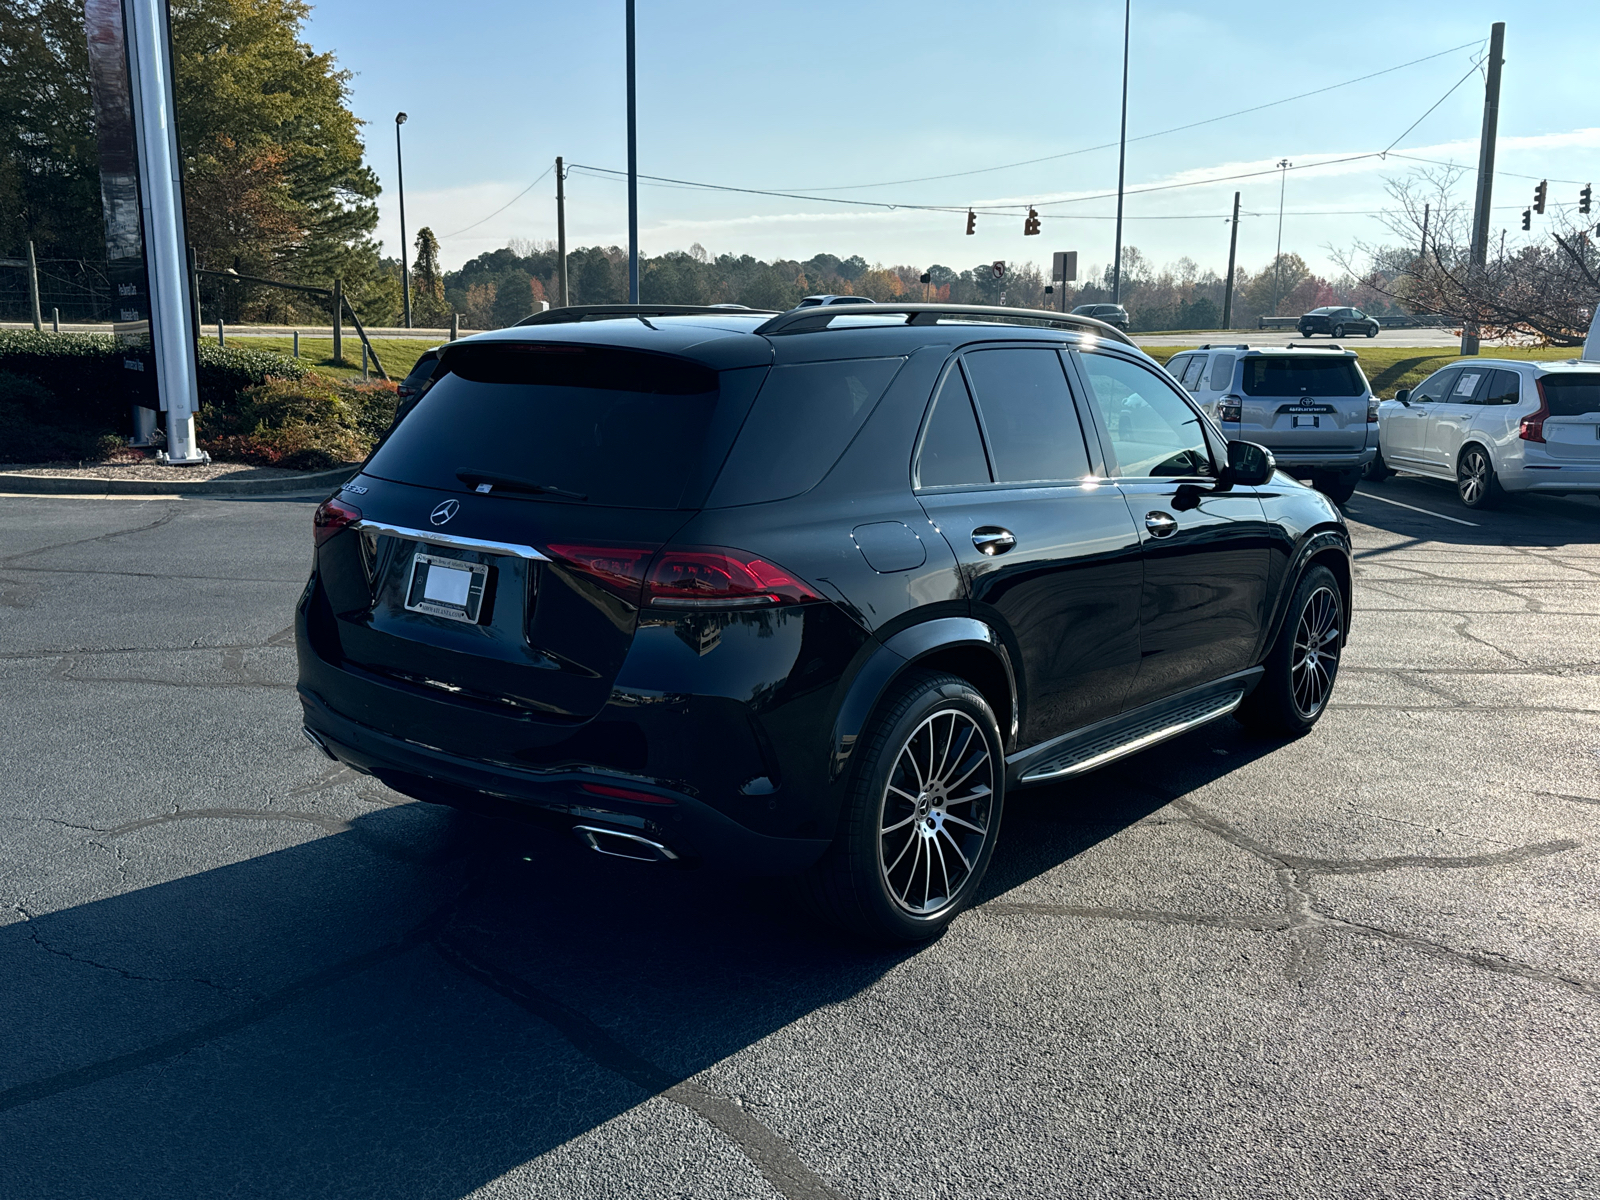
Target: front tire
1303, 664
1372, 331
1475, 479
919, 825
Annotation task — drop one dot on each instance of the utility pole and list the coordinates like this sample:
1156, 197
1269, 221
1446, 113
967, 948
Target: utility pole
405, 250
1233, 248
633, 175
1426, 210
1122, 154
561, 234
33, 287
1277, 259
1480, 211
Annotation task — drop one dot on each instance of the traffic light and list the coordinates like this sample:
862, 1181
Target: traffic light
1527, 218
972, 221
1584, 197
1031, 225
1539, 195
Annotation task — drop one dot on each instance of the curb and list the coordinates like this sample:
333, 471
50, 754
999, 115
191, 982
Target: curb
58, 485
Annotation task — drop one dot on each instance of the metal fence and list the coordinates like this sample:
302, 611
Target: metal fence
80, 291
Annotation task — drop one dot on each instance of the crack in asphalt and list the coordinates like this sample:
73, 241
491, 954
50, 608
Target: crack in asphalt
34, 937
166, 517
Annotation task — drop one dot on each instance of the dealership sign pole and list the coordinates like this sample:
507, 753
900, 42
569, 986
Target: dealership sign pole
130, 63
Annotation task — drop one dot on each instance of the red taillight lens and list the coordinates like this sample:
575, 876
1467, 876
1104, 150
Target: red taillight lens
332, 515
715, 577
1531, 428
617, 793
1230, 408
618, 569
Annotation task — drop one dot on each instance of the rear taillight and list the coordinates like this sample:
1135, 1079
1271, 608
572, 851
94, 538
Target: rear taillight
1230, 408
332, 515
1531, 427
618, 793
1372, 409
618, 569
716, 577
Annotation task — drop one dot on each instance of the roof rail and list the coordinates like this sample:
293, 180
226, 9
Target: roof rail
607, 312
1318, 346
815, 319
1226, 346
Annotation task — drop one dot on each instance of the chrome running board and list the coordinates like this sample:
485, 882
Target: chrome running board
1111, 746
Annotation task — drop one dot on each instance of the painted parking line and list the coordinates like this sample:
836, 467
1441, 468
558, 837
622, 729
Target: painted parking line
1427, 512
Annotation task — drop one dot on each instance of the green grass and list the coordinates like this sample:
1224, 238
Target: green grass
399, 355
1389, 368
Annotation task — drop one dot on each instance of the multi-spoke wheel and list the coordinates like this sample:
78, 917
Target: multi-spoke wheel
921, 814
1299, 672
936, 812
1475, 481
1315, 657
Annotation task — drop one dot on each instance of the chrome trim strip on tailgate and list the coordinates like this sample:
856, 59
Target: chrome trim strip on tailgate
433, 537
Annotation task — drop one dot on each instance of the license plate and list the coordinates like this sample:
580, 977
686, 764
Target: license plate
446, 587
1303, 422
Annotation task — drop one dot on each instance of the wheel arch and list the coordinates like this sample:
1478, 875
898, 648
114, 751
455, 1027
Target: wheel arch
1325, 547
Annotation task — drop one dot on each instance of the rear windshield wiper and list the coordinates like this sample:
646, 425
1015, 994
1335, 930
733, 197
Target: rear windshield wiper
485, 480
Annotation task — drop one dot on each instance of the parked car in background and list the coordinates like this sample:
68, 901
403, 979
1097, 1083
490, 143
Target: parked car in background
417, 378
807, 593
1111, 314
1338, 322
1494, 426
1310, 406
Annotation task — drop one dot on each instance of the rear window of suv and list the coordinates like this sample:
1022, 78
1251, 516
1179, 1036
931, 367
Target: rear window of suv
1286, 375
1571, 395
618, 427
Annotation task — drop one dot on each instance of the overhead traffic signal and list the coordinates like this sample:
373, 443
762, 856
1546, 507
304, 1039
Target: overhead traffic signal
1527, 218
1031, 225
1539, 194
972, 221
1584, 197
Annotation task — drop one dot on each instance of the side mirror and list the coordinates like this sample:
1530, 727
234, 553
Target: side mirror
1404, 396
1249, 465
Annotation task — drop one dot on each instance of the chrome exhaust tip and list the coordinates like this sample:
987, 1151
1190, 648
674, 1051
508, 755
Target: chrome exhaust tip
616, 844
317, 741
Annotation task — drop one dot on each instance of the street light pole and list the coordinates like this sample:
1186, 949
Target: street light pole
633, 175
1277, 260
1122, 154
400, 172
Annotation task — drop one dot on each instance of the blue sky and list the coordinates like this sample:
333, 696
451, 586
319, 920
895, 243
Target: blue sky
837, 93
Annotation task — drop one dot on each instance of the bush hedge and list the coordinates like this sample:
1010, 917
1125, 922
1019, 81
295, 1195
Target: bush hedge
306, 424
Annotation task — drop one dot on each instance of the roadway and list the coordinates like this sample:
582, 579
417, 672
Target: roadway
1365, 963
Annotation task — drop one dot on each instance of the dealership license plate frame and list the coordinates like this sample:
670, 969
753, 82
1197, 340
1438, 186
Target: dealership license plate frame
469, 611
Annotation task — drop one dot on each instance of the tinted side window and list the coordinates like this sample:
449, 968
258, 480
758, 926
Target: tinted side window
1435, 386
1177, 366
1221, 372
1191, 377
1504, 388
1469, 386
1028, 413
1153, 432
803, 419
952, 447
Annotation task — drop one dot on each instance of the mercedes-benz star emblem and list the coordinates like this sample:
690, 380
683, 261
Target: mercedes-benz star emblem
445, 511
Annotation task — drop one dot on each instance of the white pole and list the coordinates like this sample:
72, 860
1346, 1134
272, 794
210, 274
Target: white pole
161, 196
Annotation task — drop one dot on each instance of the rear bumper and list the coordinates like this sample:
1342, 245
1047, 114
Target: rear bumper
1297, 462
1556, 478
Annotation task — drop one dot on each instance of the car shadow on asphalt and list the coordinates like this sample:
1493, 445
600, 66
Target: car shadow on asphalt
419, 1001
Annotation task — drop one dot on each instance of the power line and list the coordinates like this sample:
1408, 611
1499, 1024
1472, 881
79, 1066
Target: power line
1471, 71
503, 207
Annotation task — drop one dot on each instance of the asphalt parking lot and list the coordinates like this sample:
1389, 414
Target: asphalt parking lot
1363, 964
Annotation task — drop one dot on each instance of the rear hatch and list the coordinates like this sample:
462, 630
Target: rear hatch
1303, 402
1572, 426
589, 458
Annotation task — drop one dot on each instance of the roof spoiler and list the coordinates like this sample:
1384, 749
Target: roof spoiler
816, 319
607, 312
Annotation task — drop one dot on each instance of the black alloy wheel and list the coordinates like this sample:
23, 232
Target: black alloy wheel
923, 811
1372, 331
1304, 662
1338, 331
1475, 479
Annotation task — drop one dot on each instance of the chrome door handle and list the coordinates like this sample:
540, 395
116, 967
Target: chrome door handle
992, 540
1161, 524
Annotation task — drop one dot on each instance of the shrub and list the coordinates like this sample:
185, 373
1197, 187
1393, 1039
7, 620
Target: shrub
305, 424
35, 428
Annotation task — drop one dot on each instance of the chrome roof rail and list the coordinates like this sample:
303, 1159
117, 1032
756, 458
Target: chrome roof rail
606, 312
818, 318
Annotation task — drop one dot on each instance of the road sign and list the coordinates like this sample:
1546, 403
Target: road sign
1064, 266
999, 269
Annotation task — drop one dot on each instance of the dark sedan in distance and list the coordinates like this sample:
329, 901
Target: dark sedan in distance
1338, 322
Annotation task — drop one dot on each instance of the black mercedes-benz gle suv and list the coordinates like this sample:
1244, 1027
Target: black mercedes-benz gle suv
806, 592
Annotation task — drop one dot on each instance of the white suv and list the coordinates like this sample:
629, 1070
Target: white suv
1495, 425
1310, 406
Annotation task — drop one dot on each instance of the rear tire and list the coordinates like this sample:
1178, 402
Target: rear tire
1338, 331
1337, 486
1377, 470
923, 811
1475, 478
1303, 664
1305, 333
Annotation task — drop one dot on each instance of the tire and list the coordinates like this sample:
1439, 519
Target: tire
900, 831
1475, 478
1304, 662
1377, 470
1338, 331
1337, 486
1372, 331
1305, 333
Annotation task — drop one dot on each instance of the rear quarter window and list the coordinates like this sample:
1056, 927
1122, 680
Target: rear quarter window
801, 423
1286, 375
1571, 395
